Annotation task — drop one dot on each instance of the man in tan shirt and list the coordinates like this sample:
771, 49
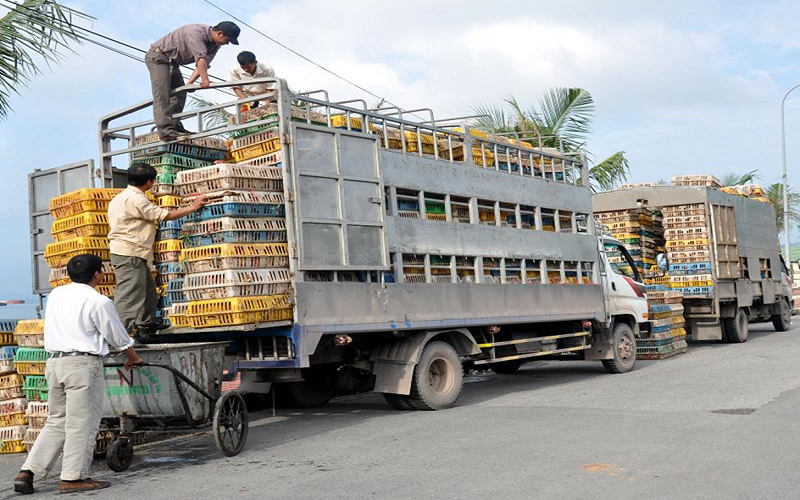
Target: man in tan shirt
132, 220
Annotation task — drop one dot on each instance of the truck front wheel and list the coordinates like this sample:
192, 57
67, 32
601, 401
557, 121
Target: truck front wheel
783, 320
438, 378
623, 344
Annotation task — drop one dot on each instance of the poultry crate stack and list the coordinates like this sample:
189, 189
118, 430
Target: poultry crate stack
687, 242
640, 231
667, 335
80, 227
235, 255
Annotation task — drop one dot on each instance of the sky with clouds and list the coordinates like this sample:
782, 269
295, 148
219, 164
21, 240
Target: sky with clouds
681, 87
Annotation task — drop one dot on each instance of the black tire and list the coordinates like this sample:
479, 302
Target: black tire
399, 401
736, 329
783, 320
438, 378
231, 423
119, 454
317, 389
623, 345
506, 367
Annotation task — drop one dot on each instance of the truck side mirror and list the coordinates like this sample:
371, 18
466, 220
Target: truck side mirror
662, 261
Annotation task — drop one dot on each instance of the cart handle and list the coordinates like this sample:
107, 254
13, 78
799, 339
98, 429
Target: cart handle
178, 375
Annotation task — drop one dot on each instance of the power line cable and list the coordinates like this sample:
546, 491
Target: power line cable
298, 54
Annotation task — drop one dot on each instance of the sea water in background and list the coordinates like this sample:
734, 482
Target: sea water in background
18, 311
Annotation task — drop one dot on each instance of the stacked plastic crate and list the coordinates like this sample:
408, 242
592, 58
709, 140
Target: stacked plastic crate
687, 243
29, 362
638, 231
235, 254
667, 335
169, 160
80, 226
12, 402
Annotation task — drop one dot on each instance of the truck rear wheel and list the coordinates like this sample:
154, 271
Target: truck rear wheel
783, 320
399, 401
736, 328
623, 344
438, 378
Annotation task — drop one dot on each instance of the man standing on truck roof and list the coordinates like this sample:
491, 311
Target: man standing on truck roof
247, 69
132, 222
193, 43
80, 325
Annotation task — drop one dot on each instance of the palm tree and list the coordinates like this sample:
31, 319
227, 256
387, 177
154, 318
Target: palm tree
774, 193
562, 121
734, 179
34, 31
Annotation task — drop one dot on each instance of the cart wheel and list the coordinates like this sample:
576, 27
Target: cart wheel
119, 454
230, 423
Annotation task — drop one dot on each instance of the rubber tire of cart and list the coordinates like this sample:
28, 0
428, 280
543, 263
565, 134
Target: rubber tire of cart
622, 337
318, 388
119, 455
231, 400
783, 320
506, 366
736, 329
438, 378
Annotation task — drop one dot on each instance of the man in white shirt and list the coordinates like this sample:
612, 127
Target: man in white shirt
248, 69
79, 326
132, 222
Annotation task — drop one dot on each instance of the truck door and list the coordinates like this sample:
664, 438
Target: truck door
624, 284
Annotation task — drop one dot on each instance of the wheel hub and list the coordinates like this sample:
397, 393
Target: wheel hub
440, 376
625, 348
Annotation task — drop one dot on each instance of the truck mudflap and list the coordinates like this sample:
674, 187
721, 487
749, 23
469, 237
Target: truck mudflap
394, 362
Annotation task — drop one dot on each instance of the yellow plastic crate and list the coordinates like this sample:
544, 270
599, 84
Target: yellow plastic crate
258, 149
85, 224
30, 326
10, 419
340, 121
243, 318
168, 201
238, 305
235, 250
168, 246
10, 381
30, 368
7, 338
107, 290
682, 284
82, 200
58, 254
14, 446
59, 276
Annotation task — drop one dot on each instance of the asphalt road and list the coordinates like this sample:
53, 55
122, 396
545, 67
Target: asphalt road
716, 423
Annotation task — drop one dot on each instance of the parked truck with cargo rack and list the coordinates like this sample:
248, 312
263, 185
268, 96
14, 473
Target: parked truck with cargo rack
414, 245
723, 253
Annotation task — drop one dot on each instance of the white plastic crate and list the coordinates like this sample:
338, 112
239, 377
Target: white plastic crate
249, 140
264, 161
229, 176
236, 283
13, 433
15, 405
235, 224
237, 196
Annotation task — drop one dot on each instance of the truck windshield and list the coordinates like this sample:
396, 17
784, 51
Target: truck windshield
621, 261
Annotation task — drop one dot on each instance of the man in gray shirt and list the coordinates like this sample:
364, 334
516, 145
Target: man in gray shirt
193, 43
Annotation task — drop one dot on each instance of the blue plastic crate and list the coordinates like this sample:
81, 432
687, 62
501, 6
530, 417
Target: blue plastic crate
407, 205
388, 277
175, 291
172, 224
659, 308
691, 268
199, 240
168, 234
164, 301
169, 267
661, 329
696, 291
239, 210
8, 352
657, 288
8, 325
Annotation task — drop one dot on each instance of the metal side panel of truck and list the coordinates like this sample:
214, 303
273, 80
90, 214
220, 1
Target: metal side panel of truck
743, 241
487, 290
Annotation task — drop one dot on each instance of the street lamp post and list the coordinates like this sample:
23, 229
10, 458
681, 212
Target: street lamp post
787, 248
